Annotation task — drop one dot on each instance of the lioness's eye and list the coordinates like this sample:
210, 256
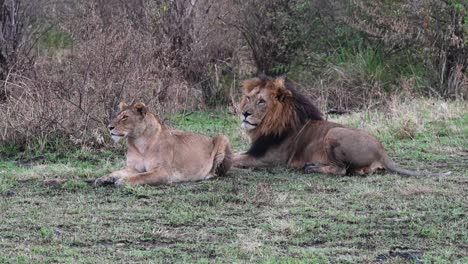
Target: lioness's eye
124, 117
247, 97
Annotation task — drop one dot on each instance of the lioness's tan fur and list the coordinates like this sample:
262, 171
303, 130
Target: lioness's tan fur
159, 155
287, 130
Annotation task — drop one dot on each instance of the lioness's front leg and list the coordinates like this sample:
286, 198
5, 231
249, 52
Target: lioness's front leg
156, 176
114, 176
242, 160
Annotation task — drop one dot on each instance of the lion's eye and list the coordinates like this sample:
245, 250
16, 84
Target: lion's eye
124, 118
261, 101
247, 97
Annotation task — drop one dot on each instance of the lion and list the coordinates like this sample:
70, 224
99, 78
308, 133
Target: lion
158, 154
286, 129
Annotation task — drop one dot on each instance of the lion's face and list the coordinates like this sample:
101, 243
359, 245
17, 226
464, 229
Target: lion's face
254, 107
263, 104
128, 122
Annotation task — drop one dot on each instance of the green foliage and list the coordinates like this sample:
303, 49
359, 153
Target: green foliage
54, 39
46, 232
161, 10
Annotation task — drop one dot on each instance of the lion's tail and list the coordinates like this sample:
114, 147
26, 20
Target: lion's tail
391, 166
221, 155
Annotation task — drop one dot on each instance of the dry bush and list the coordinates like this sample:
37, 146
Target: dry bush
74, 94
216, 58
269, 30
182, 54
172, 55
19, 31
349, 88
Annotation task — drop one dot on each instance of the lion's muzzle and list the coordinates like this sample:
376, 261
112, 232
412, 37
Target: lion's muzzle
248, 125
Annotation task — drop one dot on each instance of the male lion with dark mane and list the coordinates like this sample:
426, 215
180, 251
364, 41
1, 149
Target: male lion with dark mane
286, 129
158, 155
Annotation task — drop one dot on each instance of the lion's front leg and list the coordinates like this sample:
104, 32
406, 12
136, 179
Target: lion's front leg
242, 160
114, 176
156, 176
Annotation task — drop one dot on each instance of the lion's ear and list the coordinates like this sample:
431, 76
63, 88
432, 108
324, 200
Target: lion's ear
281, 89
140, 108
122, 105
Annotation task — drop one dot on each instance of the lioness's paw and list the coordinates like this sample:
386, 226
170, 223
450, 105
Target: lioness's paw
119, 183
98, 182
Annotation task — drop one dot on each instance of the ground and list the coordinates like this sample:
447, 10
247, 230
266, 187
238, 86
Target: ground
268, 216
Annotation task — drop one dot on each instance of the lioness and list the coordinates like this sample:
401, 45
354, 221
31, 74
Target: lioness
158, 155
286, 129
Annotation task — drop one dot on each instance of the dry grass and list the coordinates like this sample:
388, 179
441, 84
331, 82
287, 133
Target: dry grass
404, 118
416, 190
264, 194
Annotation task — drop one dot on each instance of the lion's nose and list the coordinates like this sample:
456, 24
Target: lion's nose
246, 114
111, 127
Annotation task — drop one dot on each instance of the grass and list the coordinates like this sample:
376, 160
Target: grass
267, 216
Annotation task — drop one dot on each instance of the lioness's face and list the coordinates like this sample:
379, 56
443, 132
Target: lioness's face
128, 122
254, 107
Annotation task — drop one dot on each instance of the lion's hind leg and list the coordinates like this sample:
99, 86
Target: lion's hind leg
375, 166
222, 156
328, 169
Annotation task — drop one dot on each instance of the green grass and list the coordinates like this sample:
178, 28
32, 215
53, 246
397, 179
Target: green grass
266, 216
360, 66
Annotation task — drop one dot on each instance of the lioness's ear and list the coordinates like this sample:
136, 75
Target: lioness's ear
281, 89
140, 108
122, 105
250, 84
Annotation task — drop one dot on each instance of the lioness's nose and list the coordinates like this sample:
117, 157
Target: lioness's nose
111, 127
246, 114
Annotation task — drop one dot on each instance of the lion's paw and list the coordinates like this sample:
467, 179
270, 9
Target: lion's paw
310, 168
119, 183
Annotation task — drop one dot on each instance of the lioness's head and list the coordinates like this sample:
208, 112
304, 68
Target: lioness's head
273, 106
128, 122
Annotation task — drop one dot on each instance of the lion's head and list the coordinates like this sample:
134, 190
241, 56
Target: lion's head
128, 122
273, 107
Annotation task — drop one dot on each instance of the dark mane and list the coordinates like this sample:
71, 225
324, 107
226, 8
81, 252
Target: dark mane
304, 107
260, 146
